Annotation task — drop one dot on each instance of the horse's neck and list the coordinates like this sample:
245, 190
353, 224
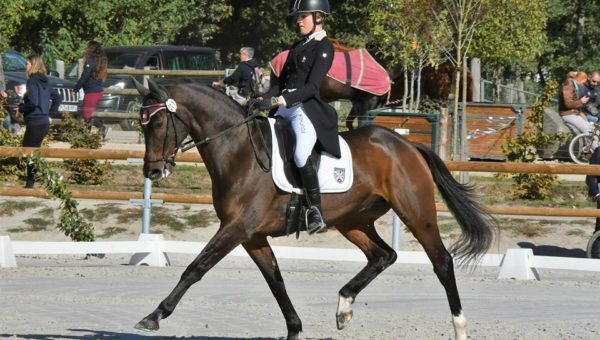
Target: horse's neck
230, 139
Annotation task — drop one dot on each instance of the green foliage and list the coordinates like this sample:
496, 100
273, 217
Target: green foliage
71, 221
79, 135
573, 38
60, 29
525, 149
512, 34
10, 167
9, 21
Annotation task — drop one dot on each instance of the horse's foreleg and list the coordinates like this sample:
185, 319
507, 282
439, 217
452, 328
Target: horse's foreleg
379, 256
219, 246
260, 251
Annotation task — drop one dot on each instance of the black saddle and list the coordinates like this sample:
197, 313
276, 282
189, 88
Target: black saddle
286, 140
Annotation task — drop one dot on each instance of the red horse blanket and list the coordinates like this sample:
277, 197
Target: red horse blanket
366, 74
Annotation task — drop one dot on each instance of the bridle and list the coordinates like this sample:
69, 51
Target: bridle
168, 159
190, 144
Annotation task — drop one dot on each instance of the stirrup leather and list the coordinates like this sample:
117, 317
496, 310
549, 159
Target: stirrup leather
317, 225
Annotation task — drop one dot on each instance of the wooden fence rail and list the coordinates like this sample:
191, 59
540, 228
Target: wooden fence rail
207, 199
550, 168
193, 156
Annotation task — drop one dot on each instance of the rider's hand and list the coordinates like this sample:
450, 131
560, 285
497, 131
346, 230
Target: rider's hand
585, 99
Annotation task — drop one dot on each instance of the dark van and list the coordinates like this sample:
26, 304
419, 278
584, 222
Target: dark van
13, 64
162, 57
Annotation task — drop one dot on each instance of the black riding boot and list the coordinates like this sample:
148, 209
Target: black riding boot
312, 194
30, 176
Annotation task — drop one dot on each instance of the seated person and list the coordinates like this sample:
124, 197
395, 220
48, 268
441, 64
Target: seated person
589, 89
242, 77
570, 104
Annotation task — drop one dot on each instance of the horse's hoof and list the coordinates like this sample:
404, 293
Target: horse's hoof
343, 319
293, 336
344, 311
147, 325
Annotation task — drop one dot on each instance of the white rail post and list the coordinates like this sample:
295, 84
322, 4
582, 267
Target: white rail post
146, 201
516, 264
7, 256
396, 232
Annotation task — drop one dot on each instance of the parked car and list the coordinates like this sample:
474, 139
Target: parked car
164, 57
15, 75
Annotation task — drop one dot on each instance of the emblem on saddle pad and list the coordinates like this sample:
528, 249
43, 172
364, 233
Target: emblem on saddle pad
339, 174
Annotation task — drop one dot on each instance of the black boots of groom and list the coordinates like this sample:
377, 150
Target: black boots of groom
312, 194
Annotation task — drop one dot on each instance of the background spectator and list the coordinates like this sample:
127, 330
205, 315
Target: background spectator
93, 75
36, 108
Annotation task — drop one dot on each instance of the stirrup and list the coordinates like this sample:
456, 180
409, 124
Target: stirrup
317, 228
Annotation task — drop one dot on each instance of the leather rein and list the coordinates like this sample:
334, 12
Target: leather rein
190, 144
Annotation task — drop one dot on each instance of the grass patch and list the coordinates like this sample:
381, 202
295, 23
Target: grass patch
8, 208
102, 211
129, 215
162, 216
46, 212
37, 224
110, 231
530, 230
201, 219
576, 232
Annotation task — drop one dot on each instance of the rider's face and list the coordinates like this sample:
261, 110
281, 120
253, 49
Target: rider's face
305, 23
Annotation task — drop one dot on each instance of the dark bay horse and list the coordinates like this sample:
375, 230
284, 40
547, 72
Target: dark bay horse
389, 172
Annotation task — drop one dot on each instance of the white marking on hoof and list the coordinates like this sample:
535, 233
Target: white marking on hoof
460, 326
344, 311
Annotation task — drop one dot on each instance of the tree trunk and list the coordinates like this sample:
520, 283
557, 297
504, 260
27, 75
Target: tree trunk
405, 94
463, 129
419, 71
411, 105
2, 80
443, 134
580, 26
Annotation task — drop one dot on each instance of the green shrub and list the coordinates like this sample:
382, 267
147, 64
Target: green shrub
525, 148
79, 135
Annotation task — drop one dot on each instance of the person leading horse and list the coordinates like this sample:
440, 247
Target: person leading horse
296, 95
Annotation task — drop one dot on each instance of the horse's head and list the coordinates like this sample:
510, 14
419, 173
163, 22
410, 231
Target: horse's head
164, 130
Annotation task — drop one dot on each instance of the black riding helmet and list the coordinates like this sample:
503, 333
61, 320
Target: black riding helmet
308, 6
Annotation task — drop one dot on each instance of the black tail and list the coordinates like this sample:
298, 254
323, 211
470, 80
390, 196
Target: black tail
477, 224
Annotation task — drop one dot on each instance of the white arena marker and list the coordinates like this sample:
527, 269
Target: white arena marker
7, 256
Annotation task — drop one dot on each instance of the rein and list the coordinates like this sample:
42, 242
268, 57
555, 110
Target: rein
190, 144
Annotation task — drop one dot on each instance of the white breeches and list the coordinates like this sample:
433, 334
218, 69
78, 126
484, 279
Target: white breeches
306, 136
578, 122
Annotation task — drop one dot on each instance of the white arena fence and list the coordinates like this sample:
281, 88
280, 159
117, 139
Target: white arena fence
152, 250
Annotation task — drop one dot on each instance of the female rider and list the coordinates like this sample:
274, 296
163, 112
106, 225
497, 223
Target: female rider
296, 96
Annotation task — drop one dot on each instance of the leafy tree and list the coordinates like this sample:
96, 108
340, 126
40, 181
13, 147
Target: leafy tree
262, 24
573, 38
459, 20
403, 33
511, 37
60, 29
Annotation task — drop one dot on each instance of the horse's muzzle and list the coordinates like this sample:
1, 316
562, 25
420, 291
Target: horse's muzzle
157, 174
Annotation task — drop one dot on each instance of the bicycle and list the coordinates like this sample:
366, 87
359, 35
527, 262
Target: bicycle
582, 146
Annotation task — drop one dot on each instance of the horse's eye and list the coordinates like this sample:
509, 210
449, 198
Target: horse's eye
157, 123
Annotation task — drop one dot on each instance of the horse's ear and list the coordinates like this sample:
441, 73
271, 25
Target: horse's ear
141, 88
156, 89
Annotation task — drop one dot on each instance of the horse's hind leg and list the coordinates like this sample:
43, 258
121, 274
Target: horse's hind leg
379, 256
219, 246
424, 227
260, 251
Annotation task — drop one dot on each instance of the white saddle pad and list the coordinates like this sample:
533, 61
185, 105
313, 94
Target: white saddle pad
335, 175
